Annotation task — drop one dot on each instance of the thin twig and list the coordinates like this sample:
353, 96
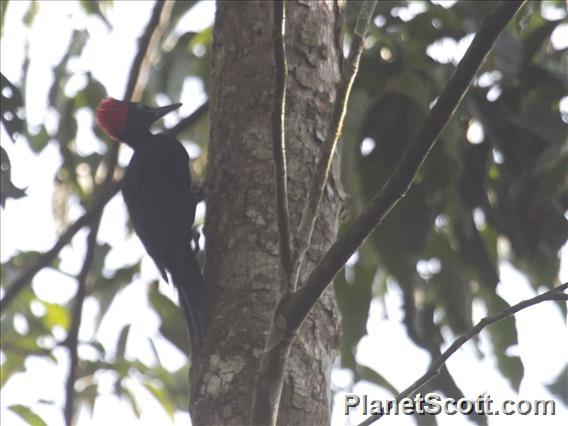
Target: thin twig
190, 120
109, 188
139, 70
293, 308
47, 258
554, 294
134, 89
72, 340
270, 376
279, 136
146, 45
310, 213
298, 305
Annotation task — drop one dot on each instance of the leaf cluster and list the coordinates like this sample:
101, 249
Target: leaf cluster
479, 200
33, 327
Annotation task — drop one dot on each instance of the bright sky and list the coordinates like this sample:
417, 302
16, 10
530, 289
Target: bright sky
108, 56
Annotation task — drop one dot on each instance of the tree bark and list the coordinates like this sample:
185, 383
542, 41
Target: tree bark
242, 267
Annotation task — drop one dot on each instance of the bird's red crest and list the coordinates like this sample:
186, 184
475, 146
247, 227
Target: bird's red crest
111, 117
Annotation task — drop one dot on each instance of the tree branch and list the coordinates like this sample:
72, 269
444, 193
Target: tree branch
72, 339
554, 294
190, 120
279, 136
134, 89
310, 213
298, 305
270, 376
140, 69
46, 258
49, 256
293, 308
109, 187
146, 45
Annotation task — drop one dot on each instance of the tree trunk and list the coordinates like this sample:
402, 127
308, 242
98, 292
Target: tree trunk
242, 267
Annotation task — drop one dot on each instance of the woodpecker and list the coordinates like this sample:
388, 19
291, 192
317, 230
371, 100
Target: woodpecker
158, 193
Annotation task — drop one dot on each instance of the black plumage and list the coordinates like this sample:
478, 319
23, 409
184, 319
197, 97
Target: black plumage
157, 190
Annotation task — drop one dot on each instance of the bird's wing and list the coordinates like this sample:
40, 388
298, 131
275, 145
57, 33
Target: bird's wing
156, 190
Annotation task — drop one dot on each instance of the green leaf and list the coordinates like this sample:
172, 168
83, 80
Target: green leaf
31, 13
559, 387
38, 140
88, 396
162, 396
133, 403
27, 415
390, 122
107, 287
99, 347
507, 54
512, 368
13, 363
93, 7
179, 10
503, 335
56, 95
56, 315
155, 352
172, 326
7, 188
354, 299
91, 95
3, 9
366, 373
537, 35
122, 341
526, 199
11, 107
450, 291
176, 384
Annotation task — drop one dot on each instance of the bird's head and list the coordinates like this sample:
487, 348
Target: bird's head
122, 120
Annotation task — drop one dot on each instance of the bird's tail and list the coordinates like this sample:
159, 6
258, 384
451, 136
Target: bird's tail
187, 278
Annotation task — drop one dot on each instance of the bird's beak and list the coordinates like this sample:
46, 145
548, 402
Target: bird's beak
161, 111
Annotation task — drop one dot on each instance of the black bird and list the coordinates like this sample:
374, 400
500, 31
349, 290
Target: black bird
161, 202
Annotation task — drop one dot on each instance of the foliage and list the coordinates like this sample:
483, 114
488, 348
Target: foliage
475, 203
73, 184
473, 206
